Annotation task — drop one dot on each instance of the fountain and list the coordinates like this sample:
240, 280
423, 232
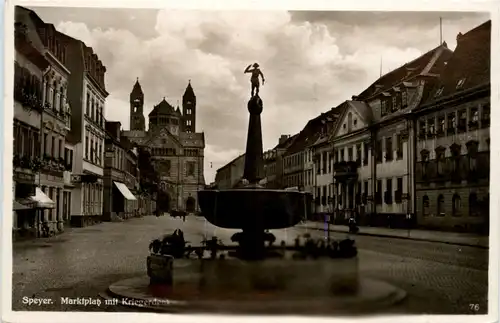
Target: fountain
254, 276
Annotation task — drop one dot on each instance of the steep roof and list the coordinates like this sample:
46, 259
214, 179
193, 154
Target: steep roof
189, 92
163, 108
313, 130
137, 90
286, 143
469, 64
405, 72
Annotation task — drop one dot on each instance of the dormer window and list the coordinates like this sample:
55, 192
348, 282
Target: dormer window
404, 99
383, 107
394, 103
439, 92
460, 83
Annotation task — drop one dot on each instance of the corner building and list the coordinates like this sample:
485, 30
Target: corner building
177, 150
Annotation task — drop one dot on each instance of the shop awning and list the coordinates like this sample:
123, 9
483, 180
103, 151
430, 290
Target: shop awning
39, 201
16, 206
125, 191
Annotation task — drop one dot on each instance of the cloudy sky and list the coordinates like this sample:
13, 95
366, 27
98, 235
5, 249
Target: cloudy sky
312, 61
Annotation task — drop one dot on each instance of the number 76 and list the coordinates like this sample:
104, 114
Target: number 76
474, 307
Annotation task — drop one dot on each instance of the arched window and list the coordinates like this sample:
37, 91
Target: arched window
472, 147
456, 205
440, 159
425, 205
473, 205
440, 205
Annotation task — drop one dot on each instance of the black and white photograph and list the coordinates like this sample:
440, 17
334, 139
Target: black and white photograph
251, 162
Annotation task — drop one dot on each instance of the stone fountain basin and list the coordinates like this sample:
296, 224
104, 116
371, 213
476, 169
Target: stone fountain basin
254, 208
287, 286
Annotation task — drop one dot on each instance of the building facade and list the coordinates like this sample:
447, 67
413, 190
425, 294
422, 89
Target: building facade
30, 64
229, 175
177, 150
120, 176
87, 95
453, 140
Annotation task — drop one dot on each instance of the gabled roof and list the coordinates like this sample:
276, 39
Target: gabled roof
153, 135
163, 108
419, 66
285, 144
192, 139
312, 131
363, 109
469, 64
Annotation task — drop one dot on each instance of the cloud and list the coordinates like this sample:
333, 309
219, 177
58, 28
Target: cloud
311, 63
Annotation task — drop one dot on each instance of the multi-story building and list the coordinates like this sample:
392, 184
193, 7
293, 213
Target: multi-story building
30, 63
55, 119
69, 153
120, 176
372, 143
296, 154
87, 95
453, 140
229, 175
322, 162
273, 162
177, 150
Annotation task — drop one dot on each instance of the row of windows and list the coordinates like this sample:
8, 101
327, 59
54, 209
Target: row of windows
163, 121
94, 108
93, 150
455, 122
394, 103
474, 208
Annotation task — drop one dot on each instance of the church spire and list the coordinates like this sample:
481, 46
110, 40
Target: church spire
137, 90
189, 93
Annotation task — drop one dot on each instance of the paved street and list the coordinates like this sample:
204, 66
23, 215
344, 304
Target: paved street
439, 278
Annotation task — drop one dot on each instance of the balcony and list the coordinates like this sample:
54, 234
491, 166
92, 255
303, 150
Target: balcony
346, 169
454, 169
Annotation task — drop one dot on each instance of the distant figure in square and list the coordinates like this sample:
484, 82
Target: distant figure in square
255, 77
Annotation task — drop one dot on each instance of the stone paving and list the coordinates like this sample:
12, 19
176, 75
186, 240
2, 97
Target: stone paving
440, 278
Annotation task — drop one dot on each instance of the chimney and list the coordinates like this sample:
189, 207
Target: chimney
354, 97
459, 36
283, 138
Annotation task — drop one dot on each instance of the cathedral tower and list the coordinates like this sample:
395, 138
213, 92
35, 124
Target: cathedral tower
137, 121
189, 110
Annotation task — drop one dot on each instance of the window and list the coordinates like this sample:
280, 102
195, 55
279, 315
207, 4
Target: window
388, 191
378, 193
399, 190
399, 146
474, 119
472, 148
46, 143
365, 154
430, 126
455, 153
53, 140
474, 205
342, 155
350, 154
439, 92
388, 149
440, 160
440, 205
404, 99
485, 116
394, 104
188, 111
460, 83
425, 205
424, 156
462, 120
349, 122
383, 107
378, 151
452, 123
456, 205
358, 154
441, 127
190, 168
92, 150
422, 129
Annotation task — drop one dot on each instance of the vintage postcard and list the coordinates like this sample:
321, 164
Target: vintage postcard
251, 160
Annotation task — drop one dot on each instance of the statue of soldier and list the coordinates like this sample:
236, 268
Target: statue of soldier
254, 80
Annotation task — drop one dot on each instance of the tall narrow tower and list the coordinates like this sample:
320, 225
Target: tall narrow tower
189, 110
137, 121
